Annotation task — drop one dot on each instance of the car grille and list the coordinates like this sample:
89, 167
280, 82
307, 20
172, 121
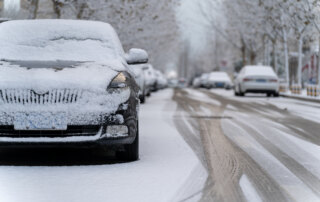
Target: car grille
26, 97
9, 131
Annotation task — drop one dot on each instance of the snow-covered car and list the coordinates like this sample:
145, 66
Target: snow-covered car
139, 75
257, 79
204, 80
196, 83
151, 80
219, 80
162, 82
66, 83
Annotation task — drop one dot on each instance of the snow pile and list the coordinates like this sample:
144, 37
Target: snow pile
259, 71
58, 40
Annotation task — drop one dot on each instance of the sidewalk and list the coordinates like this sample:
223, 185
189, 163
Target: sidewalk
303, 96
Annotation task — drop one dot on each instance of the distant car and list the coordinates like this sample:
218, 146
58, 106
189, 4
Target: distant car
67, 83
162, 82
151, 80
204, 80
219, 80
257, 79
139, 75
196, 83
182, 83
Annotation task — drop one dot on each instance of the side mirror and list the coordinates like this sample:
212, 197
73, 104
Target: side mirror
137, 56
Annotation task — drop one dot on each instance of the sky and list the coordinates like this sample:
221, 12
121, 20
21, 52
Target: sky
191, 23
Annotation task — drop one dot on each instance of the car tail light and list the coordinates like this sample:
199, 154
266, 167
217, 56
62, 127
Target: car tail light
273, 80
247, 80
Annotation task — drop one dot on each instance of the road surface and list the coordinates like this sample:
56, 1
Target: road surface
254, 148
196, 145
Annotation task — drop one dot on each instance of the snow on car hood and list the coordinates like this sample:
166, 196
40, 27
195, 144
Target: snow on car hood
58, 75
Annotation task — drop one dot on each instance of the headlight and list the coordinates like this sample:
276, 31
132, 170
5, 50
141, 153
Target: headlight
119, 83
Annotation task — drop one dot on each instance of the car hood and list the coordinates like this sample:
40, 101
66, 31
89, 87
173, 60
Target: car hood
45, 75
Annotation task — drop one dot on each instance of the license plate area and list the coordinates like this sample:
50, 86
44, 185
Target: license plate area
261, 80
40, 121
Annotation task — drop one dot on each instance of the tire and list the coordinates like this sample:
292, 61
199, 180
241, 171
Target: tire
142, 99
236, 94
268, 94
241, 94
276, 94
131, 151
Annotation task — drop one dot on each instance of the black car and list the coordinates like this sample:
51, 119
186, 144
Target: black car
66, 83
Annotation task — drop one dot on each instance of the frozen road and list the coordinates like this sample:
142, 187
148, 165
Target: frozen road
256, 148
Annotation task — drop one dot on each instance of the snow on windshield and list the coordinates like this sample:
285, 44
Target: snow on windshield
49, 40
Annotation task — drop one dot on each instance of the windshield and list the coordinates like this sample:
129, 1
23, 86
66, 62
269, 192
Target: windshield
61, 41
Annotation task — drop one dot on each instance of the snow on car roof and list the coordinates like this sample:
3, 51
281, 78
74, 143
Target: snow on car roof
259, 70
58, 40
222, 76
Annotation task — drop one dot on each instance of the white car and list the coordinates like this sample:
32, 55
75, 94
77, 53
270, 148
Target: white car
151, 80
139, 75
219, 80
257, 79
204, 80
162, 81
196, 82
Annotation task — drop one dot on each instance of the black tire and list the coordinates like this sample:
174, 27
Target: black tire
276, 94
236, 94
131, 151
241, 94
142, 99
268, 94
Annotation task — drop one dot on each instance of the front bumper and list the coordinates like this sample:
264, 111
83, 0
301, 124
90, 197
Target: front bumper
84, 128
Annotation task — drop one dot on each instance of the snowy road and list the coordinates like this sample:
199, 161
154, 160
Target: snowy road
195, 145
257, 148
168, 169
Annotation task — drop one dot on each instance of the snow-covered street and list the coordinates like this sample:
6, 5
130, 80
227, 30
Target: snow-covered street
196, 145
257, 148
168, 170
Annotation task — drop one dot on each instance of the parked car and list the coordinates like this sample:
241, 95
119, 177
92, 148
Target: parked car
257, 79
219, 80
66, 83
196, 83
139, 75
162, 82
151, 80
204, 80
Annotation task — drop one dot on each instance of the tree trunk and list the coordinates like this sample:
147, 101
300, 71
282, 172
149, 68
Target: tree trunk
33, 9
286, 56
319, 63
275, 63
252, 57
300, 60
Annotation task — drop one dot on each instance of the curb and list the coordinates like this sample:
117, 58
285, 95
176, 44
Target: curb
301, 98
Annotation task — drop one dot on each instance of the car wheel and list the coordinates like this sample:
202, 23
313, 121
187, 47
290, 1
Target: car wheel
142, 99
268, 94
276, 94
131, 151
236, 94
